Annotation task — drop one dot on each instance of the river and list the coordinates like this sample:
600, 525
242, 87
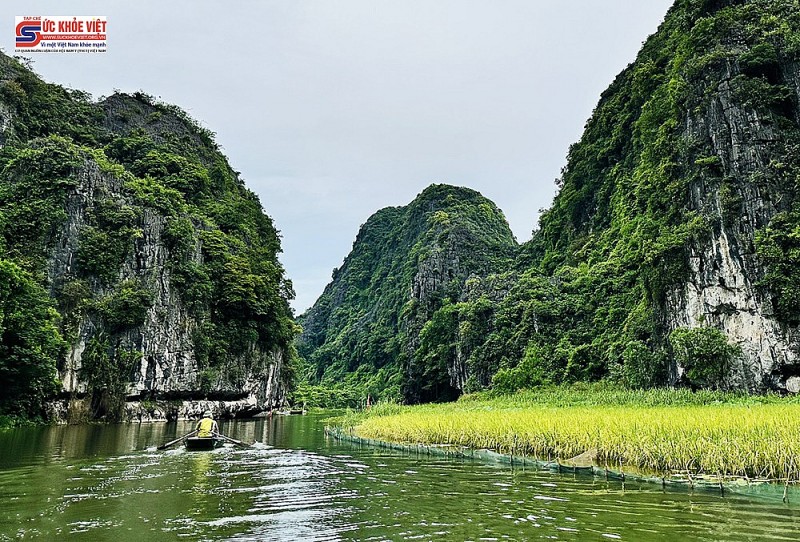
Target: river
108, 482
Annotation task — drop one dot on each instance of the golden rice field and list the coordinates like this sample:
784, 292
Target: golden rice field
663, 431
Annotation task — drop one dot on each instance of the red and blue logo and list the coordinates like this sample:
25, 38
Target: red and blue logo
29, 33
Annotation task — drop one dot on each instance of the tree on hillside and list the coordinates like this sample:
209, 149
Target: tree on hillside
30, 343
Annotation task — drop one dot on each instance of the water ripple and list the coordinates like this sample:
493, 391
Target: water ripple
319, 490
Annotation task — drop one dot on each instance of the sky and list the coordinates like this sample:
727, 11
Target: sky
333, 109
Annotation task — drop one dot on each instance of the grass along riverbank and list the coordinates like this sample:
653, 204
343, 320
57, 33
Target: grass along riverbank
662, 431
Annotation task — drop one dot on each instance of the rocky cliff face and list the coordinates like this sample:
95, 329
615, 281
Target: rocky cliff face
717, 132
161, 263
752, 144
165, 339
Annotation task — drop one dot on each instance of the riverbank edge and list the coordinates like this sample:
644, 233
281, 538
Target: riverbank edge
787, 491
77, 411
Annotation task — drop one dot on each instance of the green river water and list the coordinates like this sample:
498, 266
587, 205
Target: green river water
108, 482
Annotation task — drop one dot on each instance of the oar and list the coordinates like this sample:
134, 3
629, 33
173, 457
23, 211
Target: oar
239, 442
170, 443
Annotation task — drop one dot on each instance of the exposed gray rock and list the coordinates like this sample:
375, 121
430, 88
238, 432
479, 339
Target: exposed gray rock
722, 289
168, 366
493, 288
6, 124
77, 410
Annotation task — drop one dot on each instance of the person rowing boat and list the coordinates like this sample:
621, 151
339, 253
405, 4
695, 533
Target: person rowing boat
206, 436
207, 427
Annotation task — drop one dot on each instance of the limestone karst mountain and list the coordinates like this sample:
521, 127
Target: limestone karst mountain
125, 217
407, 264
670, 253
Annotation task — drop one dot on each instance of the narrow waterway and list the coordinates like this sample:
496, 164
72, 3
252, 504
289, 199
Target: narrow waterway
110, 483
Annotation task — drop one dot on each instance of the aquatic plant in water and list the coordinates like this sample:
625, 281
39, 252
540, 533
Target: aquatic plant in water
665, 431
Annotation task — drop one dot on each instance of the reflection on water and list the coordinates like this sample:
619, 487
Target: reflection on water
110, 483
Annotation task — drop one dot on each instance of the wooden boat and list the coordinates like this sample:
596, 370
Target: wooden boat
291, 411
204, 443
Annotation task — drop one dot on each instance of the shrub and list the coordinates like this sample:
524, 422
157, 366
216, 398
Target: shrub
107, 372
126, 307
705, 354
534, 369
761, 60
641, 367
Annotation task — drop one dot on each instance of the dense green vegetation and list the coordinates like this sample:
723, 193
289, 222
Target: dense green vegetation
654, 177
30, 343
662, 431
157, 166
